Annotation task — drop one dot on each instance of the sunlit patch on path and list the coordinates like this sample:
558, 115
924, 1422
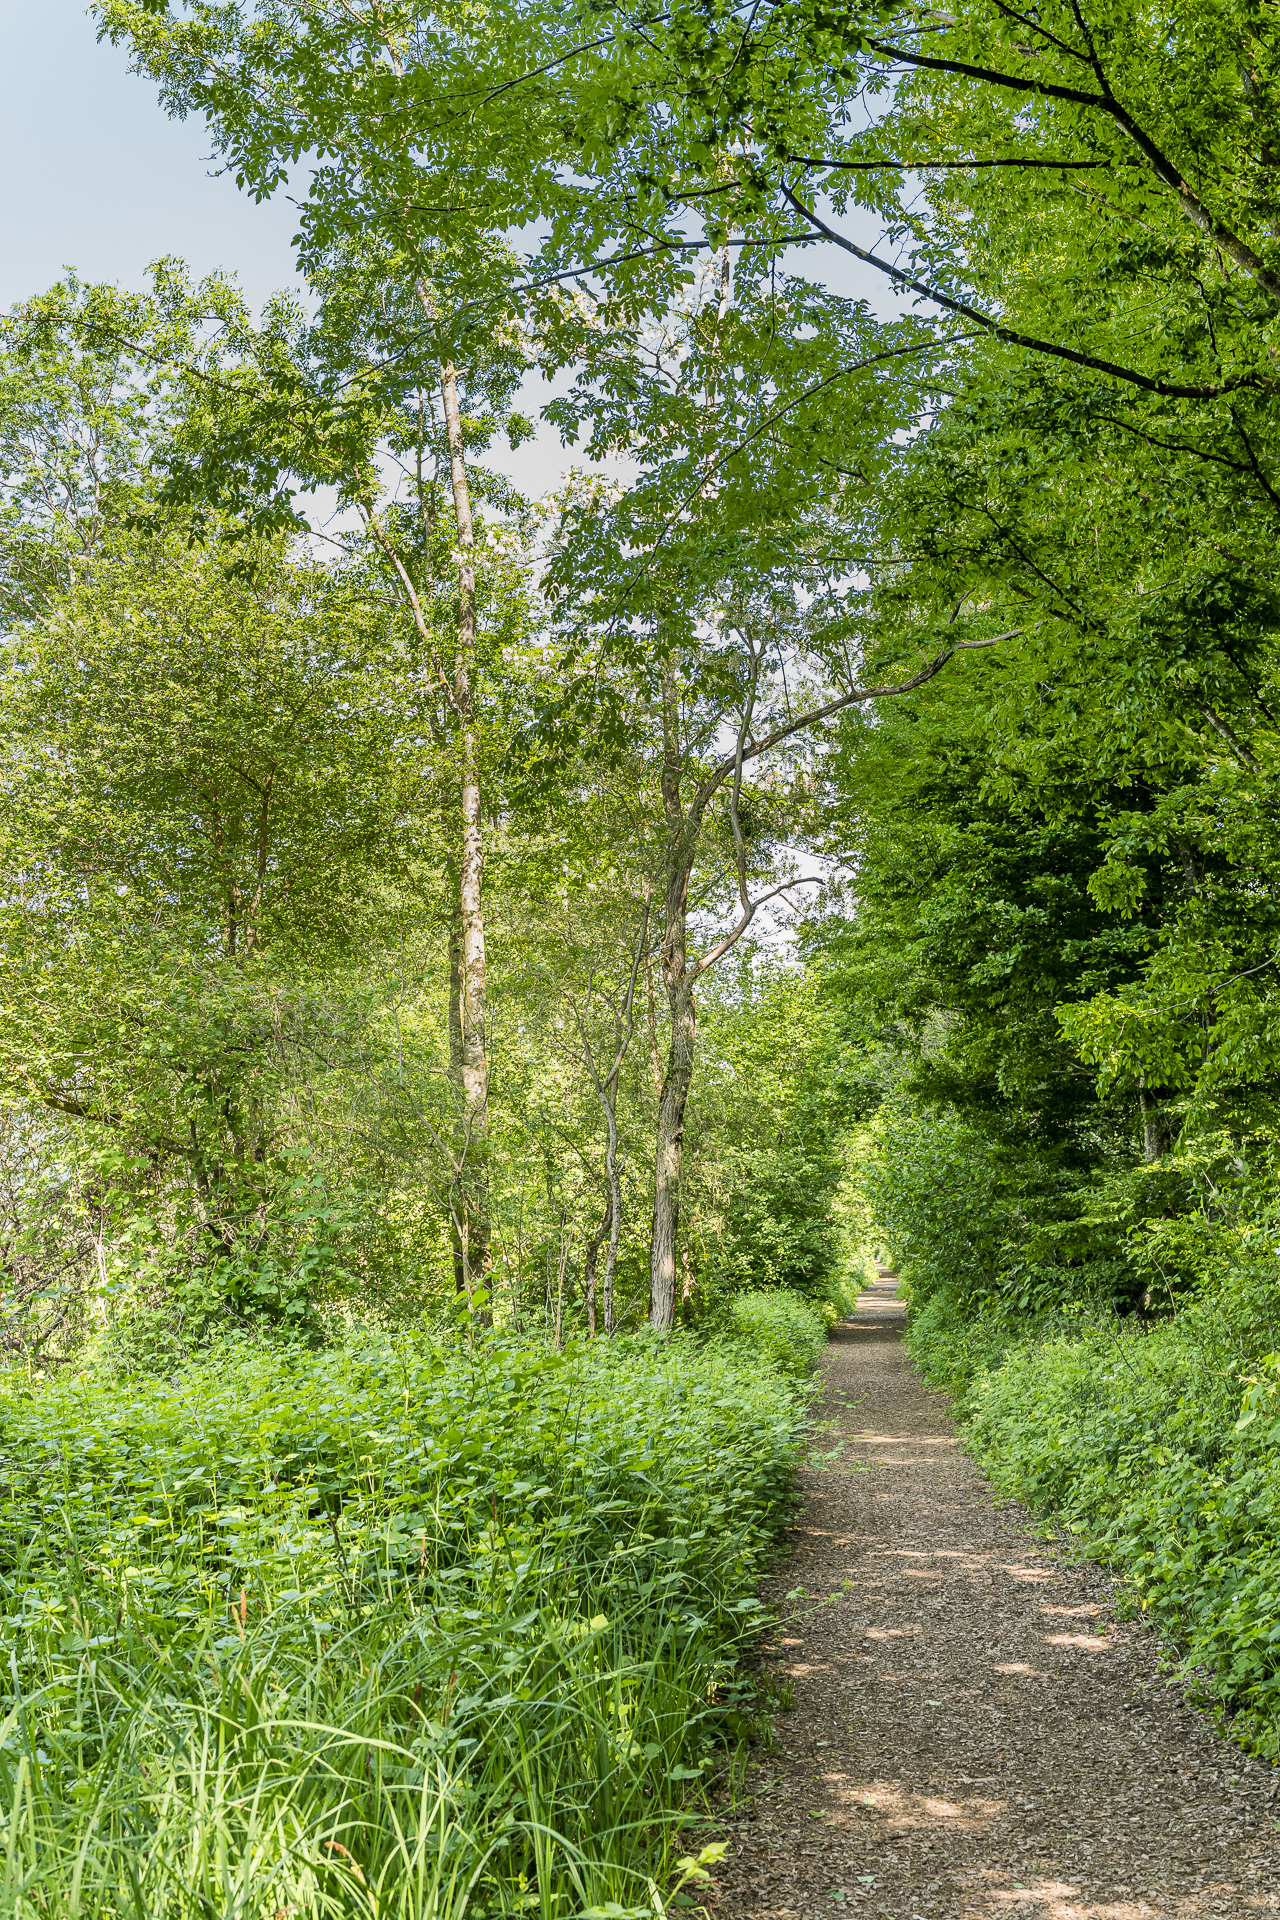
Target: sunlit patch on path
974, 1735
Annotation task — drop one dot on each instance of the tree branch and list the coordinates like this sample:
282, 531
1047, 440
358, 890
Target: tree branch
1105, 101
736, 932
415, 605
1168, 389
735, 791
753, 748
1236, 745
933, 166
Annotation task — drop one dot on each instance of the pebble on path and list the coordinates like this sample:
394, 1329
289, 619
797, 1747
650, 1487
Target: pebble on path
973, 1734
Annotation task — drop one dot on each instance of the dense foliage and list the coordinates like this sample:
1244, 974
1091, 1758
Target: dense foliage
1157, 1448
856, 822
455, 1624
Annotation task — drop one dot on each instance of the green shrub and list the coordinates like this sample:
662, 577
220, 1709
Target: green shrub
1160, 1450
1156, 1442
841, 1293
986, 1228
400, 1628
954, 1351
784, 1329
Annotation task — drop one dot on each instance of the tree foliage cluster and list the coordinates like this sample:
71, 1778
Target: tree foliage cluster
334, 968
963, 582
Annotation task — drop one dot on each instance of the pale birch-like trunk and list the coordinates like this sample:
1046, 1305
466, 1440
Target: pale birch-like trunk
678, 1076
474, 1062
590, 1261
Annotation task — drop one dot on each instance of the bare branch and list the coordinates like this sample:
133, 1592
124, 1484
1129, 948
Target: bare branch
419, 618
826, 161
1105, 101
750, 910
856, 697
1236, 745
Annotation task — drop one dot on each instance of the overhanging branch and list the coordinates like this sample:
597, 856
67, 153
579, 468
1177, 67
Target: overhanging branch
1168, 389
857, 696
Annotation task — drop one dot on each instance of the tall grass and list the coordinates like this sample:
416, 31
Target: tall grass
393, 1631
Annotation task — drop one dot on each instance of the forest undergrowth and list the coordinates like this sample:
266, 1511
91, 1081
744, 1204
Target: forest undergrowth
1136, 1408
416, 1626
1158, 1448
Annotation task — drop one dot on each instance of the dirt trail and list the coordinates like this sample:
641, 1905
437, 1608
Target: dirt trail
973, 1735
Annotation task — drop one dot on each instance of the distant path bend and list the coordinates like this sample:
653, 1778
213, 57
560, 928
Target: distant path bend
973, 1735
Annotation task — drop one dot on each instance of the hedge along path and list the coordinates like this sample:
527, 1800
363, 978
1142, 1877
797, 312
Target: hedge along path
973, 1733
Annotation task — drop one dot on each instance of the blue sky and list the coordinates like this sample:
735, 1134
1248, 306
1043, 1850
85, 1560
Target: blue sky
97, 177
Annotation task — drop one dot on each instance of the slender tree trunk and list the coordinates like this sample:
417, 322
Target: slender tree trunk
457, 1197
609, 1230
564, 1259
655, 1052
1155, 1136
590, 1259
686, 1291
670, 1150
682, 836
679, 984
607, 1094
475, 1062
615, 1219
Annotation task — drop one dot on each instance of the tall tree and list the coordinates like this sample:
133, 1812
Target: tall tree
281, 82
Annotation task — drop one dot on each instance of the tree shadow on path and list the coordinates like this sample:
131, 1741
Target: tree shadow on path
973, 1735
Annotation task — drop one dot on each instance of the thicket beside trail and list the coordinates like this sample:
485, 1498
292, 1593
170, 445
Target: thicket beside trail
1157, 1449
440, 1627
1147, 1434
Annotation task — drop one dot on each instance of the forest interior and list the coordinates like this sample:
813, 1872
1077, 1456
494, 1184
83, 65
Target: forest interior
485, 973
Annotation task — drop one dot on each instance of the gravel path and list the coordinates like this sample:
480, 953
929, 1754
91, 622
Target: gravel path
973, 1735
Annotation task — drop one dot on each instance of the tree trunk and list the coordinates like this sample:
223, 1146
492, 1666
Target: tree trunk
457, 1198
655, 1053
615, 1218
475, 1064
610, 1227
1155, 1134
590, 1258
679, 1070
670, 1148
686, 1291
607, 1094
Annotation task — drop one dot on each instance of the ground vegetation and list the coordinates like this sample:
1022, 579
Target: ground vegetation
478, 971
